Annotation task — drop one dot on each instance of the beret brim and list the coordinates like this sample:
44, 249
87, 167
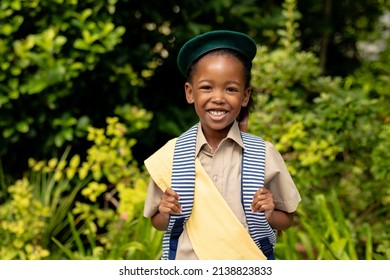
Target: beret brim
213, 40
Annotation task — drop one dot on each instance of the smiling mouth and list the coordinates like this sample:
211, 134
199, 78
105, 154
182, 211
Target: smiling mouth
217, 113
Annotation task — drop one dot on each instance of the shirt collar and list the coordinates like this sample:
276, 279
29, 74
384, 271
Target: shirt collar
233, 134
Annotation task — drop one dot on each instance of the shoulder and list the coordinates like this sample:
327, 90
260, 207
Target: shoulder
269, 146
165, 151
159, 164
272, 152
249, 138
169, 146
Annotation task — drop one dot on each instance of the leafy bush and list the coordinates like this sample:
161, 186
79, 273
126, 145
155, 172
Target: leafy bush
55, 61
53, 185
324, 234
113, 200
333, 137
89, 209
24, 219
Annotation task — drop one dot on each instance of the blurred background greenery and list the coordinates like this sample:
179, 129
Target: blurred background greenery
89, 89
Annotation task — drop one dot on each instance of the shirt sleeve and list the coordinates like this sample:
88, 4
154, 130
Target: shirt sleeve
278, 180
152, 200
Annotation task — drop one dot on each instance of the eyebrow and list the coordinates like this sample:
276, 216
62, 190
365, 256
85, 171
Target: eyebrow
226, 83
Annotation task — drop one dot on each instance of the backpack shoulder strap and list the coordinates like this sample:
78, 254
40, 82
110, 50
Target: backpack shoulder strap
253, 177
182, 182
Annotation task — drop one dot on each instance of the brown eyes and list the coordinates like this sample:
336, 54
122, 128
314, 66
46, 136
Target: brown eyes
232, 89
209, 88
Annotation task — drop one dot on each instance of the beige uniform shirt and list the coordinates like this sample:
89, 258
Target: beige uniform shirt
224, 167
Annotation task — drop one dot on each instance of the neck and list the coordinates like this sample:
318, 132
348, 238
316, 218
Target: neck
214, 137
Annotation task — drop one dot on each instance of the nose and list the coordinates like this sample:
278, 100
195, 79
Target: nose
218, 96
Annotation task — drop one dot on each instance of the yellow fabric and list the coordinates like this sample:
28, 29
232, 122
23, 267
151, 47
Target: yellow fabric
214, 231
159, 165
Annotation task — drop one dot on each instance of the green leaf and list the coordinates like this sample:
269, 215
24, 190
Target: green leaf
22, 127
8, 132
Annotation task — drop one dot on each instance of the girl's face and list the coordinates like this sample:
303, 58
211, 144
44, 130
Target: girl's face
218, 91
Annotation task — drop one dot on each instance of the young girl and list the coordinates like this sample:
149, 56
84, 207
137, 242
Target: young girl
216, 191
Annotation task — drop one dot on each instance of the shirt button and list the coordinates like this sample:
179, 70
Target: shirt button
215, 178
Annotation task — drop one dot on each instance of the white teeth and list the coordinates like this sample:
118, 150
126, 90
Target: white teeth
217, 113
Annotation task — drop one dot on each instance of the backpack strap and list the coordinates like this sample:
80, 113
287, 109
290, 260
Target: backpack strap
253, 174
182, 182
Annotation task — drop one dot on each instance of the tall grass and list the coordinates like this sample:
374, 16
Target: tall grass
136, 240
324, 234
58, 192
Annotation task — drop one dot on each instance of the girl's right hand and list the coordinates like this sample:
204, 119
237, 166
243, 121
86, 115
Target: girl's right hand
169, 203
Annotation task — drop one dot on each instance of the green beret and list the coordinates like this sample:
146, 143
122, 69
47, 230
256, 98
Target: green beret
209, 41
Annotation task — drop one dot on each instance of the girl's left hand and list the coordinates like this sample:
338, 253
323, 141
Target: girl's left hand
263, 201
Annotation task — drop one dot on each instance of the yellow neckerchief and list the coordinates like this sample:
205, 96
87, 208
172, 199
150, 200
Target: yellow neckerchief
213, 229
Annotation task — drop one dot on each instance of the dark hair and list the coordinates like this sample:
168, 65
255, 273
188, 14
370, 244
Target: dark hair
247, 66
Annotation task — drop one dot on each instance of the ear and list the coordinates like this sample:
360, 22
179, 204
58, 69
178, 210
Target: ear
247, 95
189, 93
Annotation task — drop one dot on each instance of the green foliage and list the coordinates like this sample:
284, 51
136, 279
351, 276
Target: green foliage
3, 184
53, 186
24, 219
91, 209
332, 135
67, 64
108, 222
45, 49
323, 235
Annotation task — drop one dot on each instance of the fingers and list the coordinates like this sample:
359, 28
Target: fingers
169, 203
263, 201
170, 192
